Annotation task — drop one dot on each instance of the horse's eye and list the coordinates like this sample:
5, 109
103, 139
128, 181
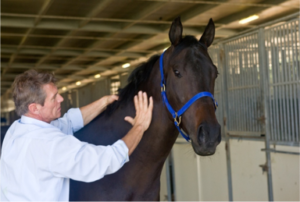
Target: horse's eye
177, 73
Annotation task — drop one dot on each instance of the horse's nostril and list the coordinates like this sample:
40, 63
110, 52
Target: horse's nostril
210, 144
201, 138
200, 130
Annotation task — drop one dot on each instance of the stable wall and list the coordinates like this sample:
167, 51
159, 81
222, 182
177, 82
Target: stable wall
205, 178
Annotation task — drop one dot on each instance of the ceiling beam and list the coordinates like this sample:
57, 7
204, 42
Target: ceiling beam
69, 37
66, 49
92, 26
237, 3
56, 66
29, 19
247, 12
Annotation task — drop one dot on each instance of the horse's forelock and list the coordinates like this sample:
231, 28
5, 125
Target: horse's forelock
187, 41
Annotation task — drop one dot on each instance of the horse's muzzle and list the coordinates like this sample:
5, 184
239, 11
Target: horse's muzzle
208, 137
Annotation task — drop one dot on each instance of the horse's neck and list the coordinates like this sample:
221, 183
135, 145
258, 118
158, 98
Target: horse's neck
161, 135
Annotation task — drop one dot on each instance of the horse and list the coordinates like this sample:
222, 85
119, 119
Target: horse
187, 70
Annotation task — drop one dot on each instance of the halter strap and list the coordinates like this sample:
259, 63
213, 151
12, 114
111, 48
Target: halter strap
177, 115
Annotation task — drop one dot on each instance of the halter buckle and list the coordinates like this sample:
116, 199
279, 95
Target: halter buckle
163, 88
216, 105
177, 122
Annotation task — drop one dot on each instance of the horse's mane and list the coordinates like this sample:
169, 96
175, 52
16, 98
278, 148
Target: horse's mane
138, 76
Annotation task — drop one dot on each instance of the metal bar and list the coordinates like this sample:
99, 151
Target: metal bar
279, 76
283, 63
253, 73
265, 82
271, 79
292, 92
279, 151
285, 83
252, 91
295, 41
291, 69
274, 68
242, 101
287, 78
225, 123
283, 89
257, 90
295, 144
245, 136
237, 82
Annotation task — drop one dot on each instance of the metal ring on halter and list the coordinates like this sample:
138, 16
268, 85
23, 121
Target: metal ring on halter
163, 88
179, 119
216, 105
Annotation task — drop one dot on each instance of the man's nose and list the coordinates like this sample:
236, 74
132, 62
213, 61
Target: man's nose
60, 98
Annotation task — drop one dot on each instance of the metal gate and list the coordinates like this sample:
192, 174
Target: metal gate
259, 88
283, 68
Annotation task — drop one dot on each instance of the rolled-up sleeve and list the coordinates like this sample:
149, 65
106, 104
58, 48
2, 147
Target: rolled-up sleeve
71, 122
81, 161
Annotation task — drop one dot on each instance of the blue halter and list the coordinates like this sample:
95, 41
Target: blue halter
177, 115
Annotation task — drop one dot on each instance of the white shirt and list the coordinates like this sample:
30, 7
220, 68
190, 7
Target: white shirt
38, 159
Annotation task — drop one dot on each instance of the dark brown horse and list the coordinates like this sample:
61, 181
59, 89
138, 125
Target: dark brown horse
188, 70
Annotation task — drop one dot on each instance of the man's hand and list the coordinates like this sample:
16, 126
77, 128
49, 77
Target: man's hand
110, 99
141, 121
89, 112
143, 114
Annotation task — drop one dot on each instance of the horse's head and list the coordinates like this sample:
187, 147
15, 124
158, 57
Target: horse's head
188, 70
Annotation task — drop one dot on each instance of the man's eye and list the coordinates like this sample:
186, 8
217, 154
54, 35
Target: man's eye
177, 73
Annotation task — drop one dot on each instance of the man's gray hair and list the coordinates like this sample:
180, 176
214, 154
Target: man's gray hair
28, 88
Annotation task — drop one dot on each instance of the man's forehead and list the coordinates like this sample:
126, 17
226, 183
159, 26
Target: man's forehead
50, 87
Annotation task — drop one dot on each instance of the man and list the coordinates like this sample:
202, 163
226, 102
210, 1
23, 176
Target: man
40, 153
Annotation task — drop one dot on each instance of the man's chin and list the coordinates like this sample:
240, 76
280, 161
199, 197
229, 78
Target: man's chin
58, 115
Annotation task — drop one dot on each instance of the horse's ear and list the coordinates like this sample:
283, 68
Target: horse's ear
175, 33
208, 34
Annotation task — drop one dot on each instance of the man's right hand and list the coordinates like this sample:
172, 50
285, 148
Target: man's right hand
141, 121
143, 114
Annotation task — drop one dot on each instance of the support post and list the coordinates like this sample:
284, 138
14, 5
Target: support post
265, 94
225, 113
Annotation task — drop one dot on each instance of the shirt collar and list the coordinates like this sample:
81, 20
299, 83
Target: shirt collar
33, 121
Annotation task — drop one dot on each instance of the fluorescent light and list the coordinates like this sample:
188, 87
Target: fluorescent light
78, 83
248, 19
126, 65
64, 88
97, 76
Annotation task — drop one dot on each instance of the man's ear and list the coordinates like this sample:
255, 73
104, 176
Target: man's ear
34, 108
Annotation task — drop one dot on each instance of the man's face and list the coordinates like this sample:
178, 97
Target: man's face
51, 109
